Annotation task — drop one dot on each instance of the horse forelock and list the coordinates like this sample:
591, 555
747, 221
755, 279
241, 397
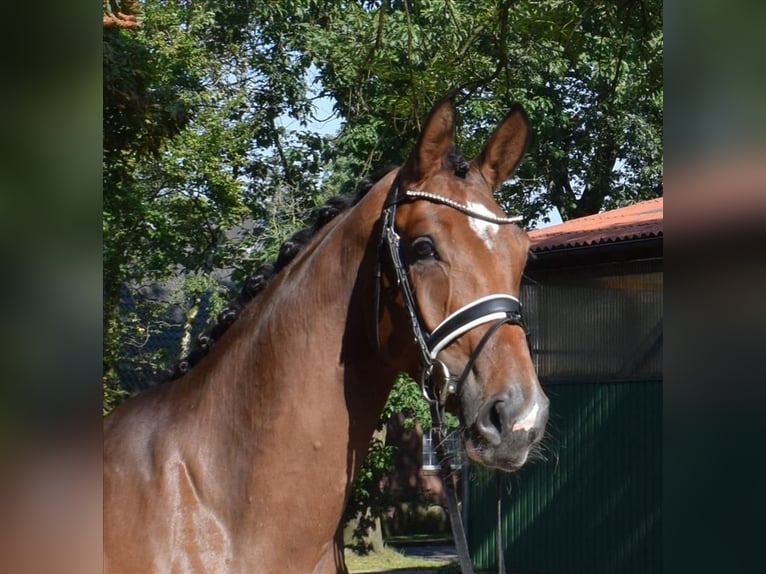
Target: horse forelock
456, 162
263, 274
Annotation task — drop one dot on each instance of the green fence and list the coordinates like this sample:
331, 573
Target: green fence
594, 506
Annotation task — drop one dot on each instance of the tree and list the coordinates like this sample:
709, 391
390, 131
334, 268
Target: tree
368, 502
144, 107
193, 149
588, 73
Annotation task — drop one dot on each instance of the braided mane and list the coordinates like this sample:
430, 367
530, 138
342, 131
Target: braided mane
261, 277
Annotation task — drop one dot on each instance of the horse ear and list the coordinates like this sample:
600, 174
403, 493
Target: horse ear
435, 141
506, 146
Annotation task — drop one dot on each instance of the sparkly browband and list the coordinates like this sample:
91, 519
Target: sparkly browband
461, 207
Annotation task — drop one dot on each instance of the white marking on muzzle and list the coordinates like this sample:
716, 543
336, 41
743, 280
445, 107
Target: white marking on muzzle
528, 421
484, 229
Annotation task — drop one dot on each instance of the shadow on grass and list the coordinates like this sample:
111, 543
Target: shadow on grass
390, 560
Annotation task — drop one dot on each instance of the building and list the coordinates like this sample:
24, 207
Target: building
593, 302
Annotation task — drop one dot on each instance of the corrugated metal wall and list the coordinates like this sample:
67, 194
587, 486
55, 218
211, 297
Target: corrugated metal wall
596, 323
594, 506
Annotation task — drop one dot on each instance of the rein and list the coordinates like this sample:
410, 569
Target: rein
437, 383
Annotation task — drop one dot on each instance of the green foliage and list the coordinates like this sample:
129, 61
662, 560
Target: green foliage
416, 517
406, 398
589, 75
367, 501
193, 150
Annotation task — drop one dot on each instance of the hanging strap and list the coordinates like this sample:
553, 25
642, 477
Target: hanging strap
449, 479
499, 529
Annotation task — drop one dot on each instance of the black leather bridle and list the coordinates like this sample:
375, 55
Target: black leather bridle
436, 381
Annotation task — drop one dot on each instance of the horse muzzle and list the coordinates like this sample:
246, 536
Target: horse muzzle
505, 431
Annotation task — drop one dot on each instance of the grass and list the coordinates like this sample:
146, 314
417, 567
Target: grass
418, 539
390, 559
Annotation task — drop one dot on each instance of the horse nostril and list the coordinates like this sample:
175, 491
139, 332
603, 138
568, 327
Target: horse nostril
489, 422
494, 417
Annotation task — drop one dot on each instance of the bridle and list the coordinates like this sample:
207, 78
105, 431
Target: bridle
498, 309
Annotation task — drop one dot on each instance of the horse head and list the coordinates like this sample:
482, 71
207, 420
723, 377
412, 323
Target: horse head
453, 268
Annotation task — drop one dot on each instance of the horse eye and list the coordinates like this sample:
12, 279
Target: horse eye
423, 248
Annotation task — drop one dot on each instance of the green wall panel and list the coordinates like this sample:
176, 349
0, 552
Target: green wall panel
594, 505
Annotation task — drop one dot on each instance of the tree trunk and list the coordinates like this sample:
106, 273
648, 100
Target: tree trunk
371, 540
364, 532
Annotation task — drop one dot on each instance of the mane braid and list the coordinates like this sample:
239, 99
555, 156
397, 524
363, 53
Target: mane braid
263, 274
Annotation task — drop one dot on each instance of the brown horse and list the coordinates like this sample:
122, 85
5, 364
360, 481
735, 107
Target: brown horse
244, 464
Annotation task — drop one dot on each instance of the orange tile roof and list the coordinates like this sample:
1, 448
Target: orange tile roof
640, 220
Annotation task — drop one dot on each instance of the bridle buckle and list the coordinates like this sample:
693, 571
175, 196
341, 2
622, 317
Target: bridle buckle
433, 390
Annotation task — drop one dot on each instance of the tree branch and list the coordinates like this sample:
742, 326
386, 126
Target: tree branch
378, 35
562, 196
282, 157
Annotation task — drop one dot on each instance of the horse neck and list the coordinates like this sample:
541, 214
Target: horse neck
297, 379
